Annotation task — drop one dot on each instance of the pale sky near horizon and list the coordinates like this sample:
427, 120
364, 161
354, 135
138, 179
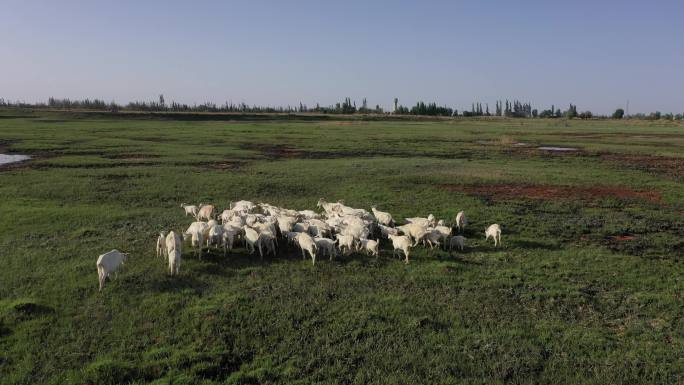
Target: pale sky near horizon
595, 54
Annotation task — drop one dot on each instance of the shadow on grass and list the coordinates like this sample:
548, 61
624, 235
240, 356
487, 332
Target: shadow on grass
536, 245
182, 281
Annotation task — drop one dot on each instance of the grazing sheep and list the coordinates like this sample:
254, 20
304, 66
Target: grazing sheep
230, 232
326, 246
329, 208
309, 214
461, 221
444, 232
252, 240
243, 206
190, 209
285, 223
457, 241
382, 217
494, 231
433, 238
161, 250
227, 215
413, 231
301, 227
173, 252
401, 242
215, 235
318, 228
425, 222
196, 233
370, 246
306, 243
291, 237
345, 241
388, 230
205, 212
109, 263
174, 262
172, 242
267, 240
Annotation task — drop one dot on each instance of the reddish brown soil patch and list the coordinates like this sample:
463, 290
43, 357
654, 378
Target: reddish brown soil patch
133, 157
226, 165
670, 166
622, 238
508, 191
276, 151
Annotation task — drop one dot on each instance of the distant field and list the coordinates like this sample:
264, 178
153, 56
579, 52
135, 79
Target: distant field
588, 287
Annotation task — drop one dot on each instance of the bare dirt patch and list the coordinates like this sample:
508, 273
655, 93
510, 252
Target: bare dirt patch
275, 151
132, 157
280, 151
545, 192
622, 238
670, 166
226, 165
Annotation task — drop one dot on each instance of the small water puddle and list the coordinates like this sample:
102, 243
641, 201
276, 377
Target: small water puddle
560, 149
7, 159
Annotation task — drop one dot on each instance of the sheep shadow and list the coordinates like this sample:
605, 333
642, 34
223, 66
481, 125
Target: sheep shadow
175, 283
535, 245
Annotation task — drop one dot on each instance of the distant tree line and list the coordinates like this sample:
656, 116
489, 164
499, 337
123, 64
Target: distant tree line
512, 109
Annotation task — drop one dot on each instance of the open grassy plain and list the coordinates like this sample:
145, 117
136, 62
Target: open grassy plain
587, 288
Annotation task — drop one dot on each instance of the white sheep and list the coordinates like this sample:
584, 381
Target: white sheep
301, 227
425, 222
267, 240
174, 262
196, 232
285, 223
329, 208
161, 250
306, 243
230, 233
382, 217
433, 238
215, 235
205, 212
401, 242
291, 237
309, 214
243, 206
461, 221
444, 232
318, 228
252, 240
109, 263
173, 252
385, 230
370, 246
227, 215
457, 241
190, 209
413, 230
345, 241
326, 246
172, 242
494, 231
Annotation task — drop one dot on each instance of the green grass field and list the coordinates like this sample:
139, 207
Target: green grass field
587, 288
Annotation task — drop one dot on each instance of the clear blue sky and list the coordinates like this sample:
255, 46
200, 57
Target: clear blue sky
596, 54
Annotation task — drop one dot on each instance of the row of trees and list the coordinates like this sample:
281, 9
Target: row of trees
505, 108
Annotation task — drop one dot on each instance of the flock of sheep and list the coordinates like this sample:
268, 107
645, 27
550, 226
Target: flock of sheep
339, 228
